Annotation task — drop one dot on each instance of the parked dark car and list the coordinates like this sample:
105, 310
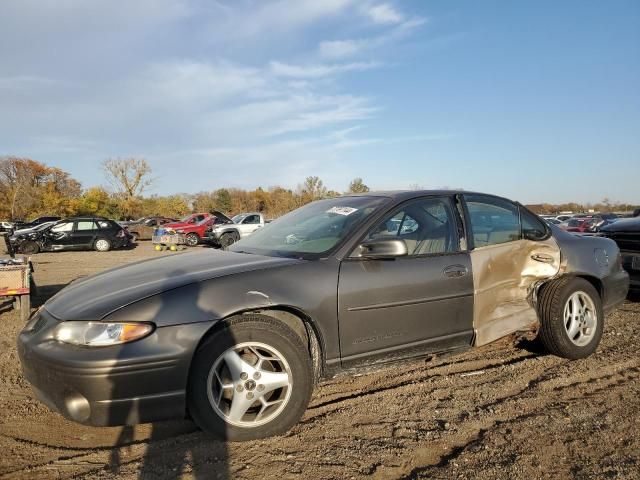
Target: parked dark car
37, 221
626, 233
81, 233
237, 339
143, 229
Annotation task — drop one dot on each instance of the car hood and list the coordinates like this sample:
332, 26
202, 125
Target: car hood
623, 225
93, 298
176, 225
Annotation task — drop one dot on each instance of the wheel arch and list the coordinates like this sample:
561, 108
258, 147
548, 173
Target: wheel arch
294, 318
592, 279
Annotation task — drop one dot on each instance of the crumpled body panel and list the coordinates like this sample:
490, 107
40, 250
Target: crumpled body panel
504, 278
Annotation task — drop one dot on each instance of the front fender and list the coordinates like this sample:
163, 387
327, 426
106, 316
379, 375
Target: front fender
309, 287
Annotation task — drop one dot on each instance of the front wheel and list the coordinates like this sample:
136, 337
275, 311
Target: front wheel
227, 239
29, 248
571, 317
250, 379
192, 239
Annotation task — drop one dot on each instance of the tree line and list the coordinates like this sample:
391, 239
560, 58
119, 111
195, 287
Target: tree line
29, 189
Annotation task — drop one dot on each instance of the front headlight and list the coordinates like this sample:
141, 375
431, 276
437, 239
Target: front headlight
100, 334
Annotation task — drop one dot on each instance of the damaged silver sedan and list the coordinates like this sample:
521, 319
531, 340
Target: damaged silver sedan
237, 339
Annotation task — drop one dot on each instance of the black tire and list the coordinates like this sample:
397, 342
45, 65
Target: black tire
102, 245
553, 333
192, 239
29, 248
238, 330
227, 239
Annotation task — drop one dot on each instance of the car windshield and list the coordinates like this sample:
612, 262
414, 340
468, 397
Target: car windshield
186, 219
312, 230
239, 218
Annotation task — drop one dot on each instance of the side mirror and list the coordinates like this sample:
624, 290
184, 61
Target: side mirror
382, 249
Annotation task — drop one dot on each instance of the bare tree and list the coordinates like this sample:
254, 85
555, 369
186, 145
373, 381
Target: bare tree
129, 176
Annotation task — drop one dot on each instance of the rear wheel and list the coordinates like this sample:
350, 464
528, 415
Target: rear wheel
250, 379
102, 245
571, 318
192, 239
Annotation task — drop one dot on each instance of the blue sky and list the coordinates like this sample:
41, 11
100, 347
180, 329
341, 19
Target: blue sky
537, 101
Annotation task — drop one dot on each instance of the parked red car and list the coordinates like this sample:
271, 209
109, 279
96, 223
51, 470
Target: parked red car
194, 231
189, 220
582, 225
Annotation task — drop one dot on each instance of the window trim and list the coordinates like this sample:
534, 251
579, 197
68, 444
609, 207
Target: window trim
397, 208
545, 225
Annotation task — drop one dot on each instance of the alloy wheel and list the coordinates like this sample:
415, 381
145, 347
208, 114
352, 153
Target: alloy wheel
580, 318
249, 384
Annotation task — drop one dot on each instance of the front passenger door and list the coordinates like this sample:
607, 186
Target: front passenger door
412, 304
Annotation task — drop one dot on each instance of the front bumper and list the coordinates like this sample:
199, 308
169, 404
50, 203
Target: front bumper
211, 238
138, 382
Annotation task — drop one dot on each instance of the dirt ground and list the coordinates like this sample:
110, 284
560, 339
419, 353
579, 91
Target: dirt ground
503, 411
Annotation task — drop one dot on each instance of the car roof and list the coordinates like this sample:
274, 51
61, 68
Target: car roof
409, 194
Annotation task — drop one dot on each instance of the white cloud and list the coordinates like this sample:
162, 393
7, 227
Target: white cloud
385, 13
340, 48
318, 70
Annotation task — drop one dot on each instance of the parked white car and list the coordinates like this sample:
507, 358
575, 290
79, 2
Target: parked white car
238, 227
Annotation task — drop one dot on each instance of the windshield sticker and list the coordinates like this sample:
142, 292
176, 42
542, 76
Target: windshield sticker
342, 210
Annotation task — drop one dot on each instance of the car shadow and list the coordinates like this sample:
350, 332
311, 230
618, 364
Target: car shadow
173, 447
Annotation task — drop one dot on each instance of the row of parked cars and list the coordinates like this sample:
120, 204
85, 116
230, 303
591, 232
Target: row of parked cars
624, 231
47, 234
583, 222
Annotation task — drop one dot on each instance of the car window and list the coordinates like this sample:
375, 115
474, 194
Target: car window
493, 220
104, 224
63, 227
85, 225
532, 226
150, 223
252, 219
427, 226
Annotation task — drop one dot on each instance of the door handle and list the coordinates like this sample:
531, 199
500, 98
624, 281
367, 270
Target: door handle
455, 271
542, 257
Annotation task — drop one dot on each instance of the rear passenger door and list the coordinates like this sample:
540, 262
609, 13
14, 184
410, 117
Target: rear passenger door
84, 234
512, 251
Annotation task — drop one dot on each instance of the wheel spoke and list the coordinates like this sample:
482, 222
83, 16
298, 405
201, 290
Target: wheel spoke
239, 406
274, 380
573, 329
235, 364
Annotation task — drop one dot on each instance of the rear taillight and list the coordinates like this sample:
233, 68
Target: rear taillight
120, 233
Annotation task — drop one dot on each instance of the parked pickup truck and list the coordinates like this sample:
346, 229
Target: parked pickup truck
233, 229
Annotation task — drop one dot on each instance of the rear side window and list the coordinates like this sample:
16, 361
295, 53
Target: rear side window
104, 224
533, 227
493, 220
85, 225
